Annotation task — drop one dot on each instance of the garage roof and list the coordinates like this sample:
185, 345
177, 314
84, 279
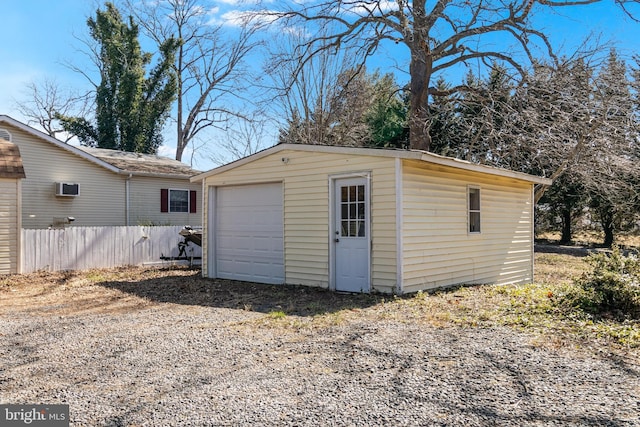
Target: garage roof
380, 152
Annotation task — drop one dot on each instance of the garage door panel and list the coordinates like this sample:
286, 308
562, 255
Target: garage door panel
249, 233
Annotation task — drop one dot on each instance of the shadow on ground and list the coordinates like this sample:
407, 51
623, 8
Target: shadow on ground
192, 289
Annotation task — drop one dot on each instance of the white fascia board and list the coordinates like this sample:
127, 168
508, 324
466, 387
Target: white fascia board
378, 152
473, 167
70, 148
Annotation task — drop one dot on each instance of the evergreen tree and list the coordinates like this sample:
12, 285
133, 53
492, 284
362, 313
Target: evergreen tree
130, 107
613, 165
566, 200
445, 122
485, 113
387, 115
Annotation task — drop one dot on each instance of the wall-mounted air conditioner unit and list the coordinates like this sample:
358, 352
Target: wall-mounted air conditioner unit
67, 190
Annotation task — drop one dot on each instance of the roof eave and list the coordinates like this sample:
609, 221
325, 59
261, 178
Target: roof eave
305, 147
58, 143
403, 154
157, 175
472, 167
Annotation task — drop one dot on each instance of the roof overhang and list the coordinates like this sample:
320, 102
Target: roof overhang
70, 148
379, 152
84, 154
158, 175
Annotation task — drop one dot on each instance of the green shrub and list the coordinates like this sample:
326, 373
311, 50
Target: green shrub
611, 288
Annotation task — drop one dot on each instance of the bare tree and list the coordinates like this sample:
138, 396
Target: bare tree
242, 137
47, 99
332, 99
210, 62
439, 36
306, 94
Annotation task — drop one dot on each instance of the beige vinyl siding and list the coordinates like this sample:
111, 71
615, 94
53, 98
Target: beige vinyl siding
9, 226
439, 251
101, 199
144, 202
306, 180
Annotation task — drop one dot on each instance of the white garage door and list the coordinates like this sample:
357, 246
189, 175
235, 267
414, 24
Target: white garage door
249, 233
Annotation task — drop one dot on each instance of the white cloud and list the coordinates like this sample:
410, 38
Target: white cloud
167, 151
240, 18
243, 2
236, 18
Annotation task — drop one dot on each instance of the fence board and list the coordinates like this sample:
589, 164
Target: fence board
83, 248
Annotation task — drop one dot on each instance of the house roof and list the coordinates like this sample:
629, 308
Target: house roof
10, 161
119, 162
379, 152
140, 164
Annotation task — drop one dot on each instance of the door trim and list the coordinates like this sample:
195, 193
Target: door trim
332, 221
211, 242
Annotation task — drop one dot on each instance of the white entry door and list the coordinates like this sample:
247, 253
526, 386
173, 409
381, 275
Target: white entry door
351, 235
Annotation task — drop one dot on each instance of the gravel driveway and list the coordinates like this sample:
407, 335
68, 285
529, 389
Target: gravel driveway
177, 362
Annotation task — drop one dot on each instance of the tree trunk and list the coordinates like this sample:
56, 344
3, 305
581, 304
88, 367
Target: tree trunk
606, 220
566, 227
607, 226
420, 71
180, 100
180, 145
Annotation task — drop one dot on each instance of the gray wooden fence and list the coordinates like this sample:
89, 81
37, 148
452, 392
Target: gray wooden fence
83, 248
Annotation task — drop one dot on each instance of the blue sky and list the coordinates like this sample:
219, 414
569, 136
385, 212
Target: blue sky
39, 36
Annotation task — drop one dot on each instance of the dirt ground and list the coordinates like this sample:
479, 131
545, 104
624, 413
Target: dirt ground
127, 289
148, 346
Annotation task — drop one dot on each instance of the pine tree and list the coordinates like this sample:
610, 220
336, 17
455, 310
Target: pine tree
387, 114
612, 164
445, 122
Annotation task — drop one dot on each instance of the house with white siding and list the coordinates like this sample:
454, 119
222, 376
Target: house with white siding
366, 220
69, 185
11, 176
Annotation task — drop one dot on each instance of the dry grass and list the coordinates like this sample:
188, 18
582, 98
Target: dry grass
531, 307
592, 238
556, 269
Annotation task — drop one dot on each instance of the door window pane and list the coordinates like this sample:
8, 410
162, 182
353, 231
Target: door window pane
352, 211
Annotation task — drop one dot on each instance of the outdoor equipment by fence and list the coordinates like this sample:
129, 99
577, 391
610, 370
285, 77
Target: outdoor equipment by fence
186, 250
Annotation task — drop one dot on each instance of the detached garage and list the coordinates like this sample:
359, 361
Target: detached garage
363, 220
11, 175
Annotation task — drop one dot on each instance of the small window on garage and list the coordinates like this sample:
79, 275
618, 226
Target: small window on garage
177, 200
474, 209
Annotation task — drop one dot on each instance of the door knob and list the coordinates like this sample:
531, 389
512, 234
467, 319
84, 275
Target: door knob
337, 240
